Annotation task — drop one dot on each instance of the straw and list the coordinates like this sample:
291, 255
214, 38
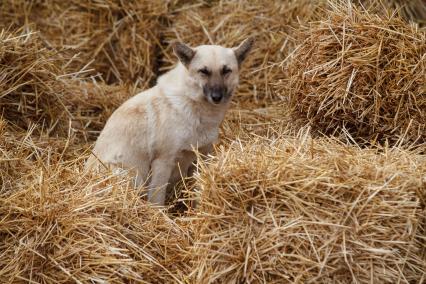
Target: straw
117, 39
59, 225
362, 74
303, 210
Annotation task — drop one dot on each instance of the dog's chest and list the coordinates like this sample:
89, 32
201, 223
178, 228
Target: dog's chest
201, 132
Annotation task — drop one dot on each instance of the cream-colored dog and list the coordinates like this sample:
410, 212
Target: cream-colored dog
157, 130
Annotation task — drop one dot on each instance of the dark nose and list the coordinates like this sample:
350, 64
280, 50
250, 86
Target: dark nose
216, 97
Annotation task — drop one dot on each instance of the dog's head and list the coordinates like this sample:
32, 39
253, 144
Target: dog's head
213, 68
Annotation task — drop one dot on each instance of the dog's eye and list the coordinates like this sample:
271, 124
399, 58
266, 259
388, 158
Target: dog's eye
226, 70
204, 71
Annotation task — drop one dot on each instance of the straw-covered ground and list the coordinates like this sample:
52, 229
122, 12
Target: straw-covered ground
319, 175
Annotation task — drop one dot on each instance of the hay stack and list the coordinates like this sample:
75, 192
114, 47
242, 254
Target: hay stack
36, 87
117, 39
92, 103
361, 74
58, 225
309, 211
229, 23
411, 10
29, 86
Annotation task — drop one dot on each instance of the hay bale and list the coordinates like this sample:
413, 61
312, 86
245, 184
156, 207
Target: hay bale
299, 210
117, 39
229, 23
412, 10
58, 225
36, 88
92, 103
29, 86
360, 74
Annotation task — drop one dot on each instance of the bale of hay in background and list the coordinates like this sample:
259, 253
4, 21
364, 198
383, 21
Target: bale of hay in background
228, 23
412, 10
92, 103
58, 225
298, 210
117, 39
29, 86
360, 74
38, 87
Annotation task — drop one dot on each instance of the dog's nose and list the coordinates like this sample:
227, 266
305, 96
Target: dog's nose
216, 97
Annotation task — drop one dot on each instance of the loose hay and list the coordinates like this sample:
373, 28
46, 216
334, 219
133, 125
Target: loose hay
57, 225
361, 74
92, 103
36, 87
115, 38
309, 211
29, 84
411, 10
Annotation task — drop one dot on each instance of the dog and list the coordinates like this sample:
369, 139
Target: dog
156, 132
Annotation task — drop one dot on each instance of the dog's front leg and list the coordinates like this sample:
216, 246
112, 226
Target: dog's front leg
161, 171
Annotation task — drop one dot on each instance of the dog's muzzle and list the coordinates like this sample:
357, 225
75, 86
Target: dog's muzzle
215, 94
216, 97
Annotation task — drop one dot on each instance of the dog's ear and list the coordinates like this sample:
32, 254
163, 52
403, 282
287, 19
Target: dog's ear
183, 52
243, 49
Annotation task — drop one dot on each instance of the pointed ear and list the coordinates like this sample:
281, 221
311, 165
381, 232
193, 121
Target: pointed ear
243, 49
183, 52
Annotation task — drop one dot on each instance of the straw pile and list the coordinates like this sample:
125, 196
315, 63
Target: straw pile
92, 103
309, 211
360, 74
36, 87
29, 85
412, 10
57, 225
117, 39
